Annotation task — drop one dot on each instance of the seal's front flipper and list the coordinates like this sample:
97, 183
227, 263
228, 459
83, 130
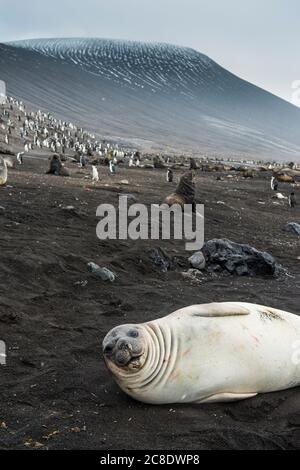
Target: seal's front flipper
225, 309
227, 397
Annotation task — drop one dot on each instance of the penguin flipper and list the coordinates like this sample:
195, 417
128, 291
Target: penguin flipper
226, 397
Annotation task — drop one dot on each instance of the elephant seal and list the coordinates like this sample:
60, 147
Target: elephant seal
217, 352
284, 178
3, 172
184, 193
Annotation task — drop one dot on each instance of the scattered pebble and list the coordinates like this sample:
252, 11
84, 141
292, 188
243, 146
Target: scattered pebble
197, 260
33, 444
103, 273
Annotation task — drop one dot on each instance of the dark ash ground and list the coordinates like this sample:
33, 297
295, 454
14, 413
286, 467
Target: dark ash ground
55, 390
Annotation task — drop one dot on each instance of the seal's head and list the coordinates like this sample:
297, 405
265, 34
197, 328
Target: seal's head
125, 349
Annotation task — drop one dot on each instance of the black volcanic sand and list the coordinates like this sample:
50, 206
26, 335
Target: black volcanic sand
56, 392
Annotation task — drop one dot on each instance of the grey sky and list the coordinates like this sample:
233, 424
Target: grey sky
256, 39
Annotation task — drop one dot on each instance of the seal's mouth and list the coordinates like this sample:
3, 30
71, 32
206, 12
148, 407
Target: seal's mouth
134, 362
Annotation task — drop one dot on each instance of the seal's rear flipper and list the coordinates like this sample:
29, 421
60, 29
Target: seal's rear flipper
225, 309
227, 397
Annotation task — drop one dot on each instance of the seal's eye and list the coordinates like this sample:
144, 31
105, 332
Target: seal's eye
133, 333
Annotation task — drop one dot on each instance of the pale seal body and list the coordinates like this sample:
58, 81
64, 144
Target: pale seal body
206, 353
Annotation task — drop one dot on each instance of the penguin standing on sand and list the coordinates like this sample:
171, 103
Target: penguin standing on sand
169, 176
274, 183
131, 162
20, 158
95, 174
112, 168
82, 161
292, 200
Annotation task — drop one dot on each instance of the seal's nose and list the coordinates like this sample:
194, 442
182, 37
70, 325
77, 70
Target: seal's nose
124, 345
108, 349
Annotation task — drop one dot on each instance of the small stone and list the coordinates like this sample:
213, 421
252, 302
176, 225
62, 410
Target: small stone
197, 260
279, 196
161, 259
292, 227
33, 444
81, 283
130, 197
103, 273
76, 430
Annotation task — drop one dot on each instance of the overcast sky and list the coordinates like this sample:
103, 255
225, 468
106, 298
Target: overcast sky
259, 40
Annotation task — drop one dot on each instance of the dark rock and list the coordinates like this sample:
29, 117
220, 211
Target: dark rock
162, 260
241, 260
71, 211
131, 198
6, 151
293, 228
